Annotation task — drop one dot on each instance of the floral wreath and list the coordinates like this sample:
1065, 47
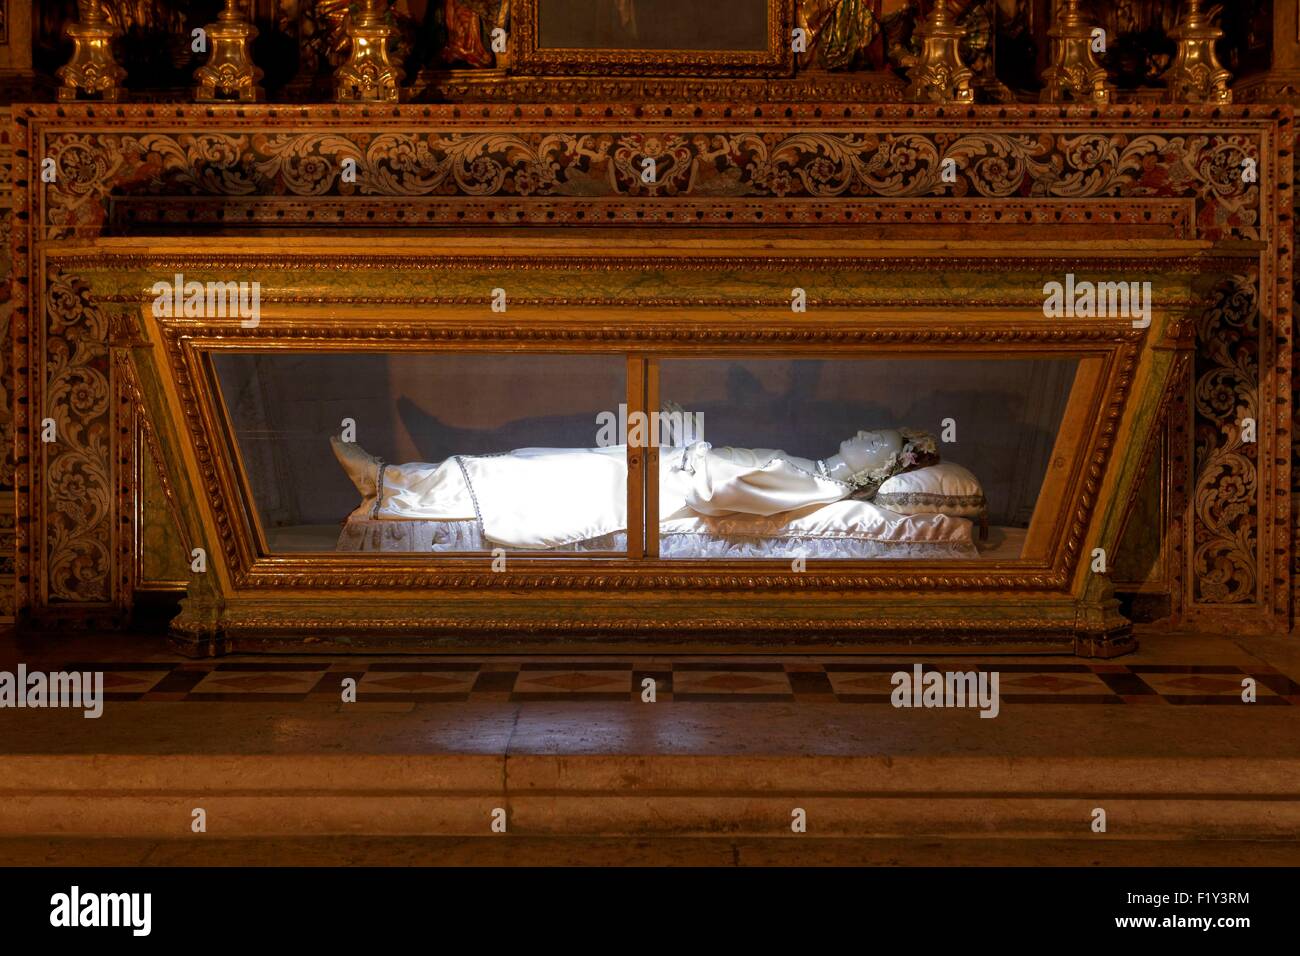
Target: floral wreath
919, 451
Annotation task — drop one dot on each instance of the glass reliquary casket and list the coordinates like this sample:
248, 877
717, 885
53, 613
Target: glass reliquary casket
619, 441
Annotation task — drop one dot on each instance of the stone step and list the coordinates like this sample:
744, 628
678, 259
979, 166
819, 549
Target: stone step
352, 851
601, 795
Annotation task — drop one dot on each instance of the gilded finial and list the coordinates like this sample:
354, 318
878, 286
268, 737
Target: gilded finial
91, 73
1075, 71
1196, 75
368, 76
940, 76
230, 73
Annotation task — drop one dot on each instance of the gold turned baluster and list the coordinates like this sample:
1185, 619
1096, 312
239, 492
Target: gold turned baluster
368, 76
1074, 72
230, 73
91, 73
1196, 75
940, 76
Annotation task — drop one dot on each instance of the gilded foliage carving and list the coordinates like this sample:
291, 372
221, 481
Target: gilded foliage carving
6, 365
772, 164
1295, 414
77, 523
1226, 392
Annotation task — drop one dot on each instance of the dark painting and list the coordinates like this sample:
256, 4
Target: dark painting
652, 24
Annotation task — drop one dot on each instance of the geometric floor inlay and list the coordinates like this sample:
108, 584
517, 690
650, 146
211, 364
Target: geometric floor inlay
740, 680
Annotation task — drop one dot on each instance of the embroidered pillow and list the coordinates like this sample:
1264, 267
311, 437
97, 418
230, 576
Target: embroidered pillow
935, 489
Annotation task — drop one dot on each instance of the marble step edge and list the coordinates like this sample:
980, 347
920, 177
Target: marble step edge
1091, 850
171, 816
594, 775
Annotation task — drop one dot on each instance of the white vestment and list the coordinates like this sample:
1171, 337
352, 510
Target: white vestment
755, 481
540, 498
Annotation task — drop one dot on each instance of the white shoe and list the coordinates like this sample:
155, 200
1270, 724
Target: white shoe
361, 466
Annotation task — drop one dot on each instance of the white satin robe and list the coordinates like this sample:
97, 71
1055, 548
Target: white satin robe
538, 498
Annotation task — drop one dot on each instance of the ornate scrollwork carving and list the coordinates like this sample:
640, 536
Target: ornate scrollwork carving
7, 394
77, 466
559, 165
1226, 391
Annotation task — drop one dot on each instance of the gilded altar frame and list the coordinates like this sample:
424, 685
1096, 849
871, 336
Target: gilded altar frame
887, 300
1024, 174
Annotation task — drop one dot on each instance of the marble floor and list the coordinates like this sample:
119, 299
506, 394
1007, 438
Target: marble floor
683, 680
587, 770
1177, 669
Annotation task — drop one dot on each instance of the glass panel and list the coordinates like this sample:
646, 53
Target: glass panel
519, 452
917, 459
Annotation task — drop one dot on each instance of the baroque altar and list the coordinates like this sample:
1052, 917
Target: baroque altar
787, 242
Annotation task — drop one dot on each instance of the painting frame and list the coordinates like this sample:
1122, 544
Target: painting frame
529, 57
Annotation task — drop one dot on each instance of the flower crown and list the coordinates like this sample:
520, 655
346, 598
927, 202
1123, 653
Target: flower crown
919, 450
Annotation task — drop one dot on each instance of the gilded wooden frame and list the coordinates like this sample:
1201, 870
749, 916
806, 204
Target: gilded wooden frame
977, 304
1106, 353
529, 57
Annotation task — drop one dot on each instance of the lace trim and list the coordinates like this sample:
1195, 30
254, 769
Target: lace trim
379, 488
463, 535
811, 474
693, 545
469, 485
930, 498
804, 536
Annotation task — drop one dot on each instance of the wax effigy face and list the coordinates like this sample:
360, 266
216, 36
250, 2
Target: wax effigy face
445, 454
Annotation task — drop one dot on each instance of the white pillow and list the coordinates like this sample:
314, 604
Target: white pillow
936, 489
846, 518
